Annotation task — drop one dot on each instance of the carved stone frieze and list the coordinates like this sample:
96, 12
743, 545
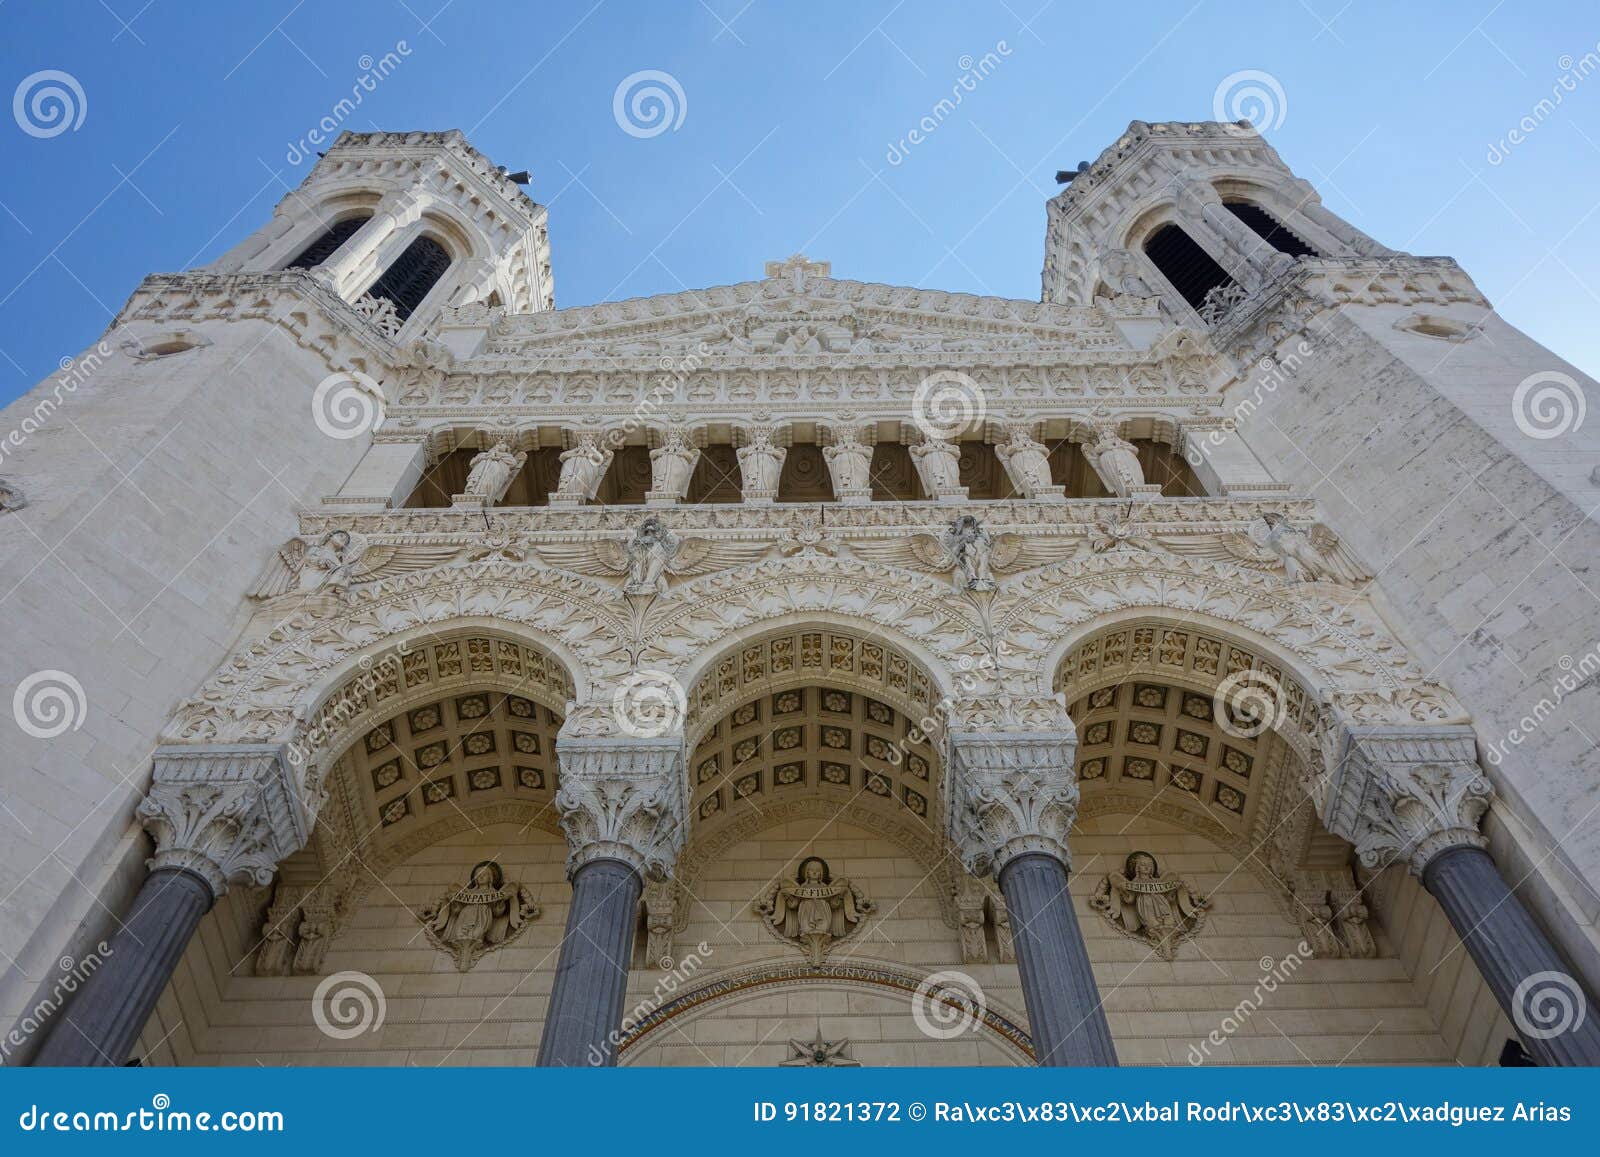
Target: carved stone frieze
227, 813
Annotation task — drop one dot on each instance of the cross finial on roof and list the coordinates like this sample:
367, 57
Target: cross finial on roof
798, 268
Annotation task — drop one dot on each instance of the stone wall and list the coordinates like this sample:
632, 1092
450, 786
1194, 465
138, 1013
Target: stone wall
1321, 1011
157, 489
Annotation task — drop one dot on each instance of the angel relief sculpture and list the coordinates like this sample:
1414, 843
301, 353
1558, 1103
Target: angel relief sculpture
486, 914
1139, 903
1313, 555
334, 562
650, 556
814, 911
966, 551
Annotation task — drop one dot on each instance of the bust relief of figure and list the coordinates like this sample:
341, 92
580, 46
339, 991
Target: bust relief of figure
484, 915
814, 911
1139, 902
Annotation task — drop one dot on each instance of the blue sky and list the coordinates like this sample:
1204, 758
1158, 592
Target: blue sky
789, 112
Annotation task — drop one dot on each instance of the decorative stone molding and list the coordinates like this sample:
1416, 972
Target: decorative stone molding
1011, 794
622, 800
228, 814
1405, 795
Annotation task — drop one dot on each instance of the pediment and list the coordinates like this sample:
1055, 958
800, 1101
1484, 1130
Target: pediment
802, 317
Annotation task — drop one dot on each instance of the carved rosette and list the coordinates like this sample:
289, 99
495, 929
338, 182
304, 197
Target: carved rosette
1406, 794
1011, 794
622, 800
229, 814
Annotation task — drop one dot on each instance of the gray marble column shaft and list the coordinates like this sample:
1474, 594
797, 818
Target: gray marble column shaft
591, 984
1065, 1016
1509, 948
101, 1025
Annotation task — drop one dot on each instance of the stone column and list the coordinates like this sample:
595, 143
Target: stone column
622, 807
1415, 796
219, 815
1013, 799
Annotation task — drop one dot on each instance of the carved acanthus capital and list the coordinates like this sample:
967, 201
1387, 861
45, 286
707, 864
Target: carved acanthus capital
1011, 794
229, 814
622, 799
1404, 794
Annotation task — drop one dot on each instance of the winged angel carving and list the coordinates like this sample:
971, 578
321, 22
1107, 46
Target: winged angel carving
650, 556
1313, 555
966, 551
338, 560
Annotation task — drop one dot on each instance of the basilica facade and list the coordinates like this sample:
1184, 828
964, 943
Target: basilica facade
802, 671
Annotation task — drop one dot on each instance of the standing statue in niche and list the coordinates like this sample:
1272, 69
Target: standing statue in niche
486, 914
492, 471
1139, 903
582, 468
672, 466
850, 463
1116, 461
814, 912
760, 464
1026, 461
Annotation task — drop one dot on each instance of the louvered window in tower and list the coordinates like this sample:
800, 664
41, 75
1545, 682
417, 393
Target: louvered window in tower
328, 244
1182, 262
1269, 230
413, 274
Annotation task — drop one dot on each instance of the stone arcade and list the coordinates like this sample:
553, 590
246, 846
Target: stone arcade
799, 671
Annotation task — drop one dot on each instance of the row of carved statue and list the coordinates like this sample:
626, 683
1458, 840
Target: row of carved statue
849, 459
813, 912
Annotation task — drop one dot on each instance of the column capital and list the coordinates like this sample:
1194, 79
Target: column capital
226, 812
1405, 794
622, 799
1012, 793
